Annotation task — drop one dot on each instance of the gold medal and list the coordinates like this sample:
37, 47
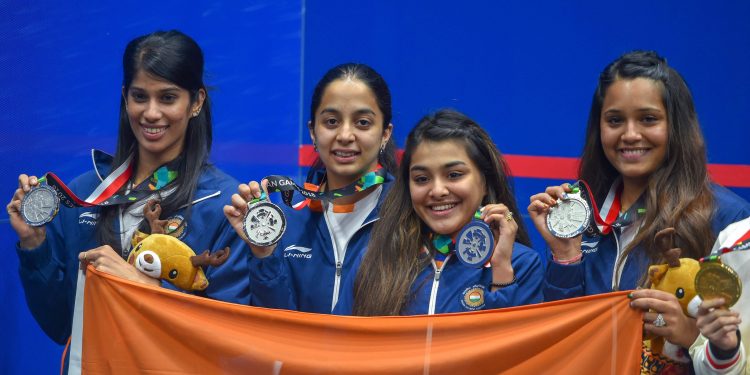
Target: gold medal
716, 280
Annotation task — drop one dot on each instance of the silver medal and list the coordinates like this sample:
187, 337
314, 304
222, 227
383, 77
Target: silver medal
39, 206
264, 223
569, 217
475, 244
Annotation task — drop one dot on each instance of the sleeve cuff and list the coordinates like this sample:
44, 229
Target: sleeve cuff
564, 276
35, 258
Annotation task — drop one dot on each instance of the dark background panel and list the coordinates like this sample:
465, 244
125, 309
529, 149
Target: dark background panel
525, 71
61, 74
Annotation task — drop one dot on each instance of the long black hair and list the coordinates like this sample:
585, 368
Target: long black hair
376, 83
679, 191
175, 57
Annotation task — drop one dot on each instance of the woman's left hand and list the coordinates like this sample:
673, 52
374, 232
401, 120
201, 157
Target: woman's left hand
105, 259
504, 228
678, 328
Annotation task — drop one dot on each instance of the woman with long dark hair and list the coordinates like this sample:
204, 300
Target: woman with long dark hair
645, 161
450, 174
164, 141
350, 125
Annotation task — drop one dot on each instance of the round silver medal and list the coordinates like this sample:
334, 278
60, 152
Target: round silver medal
264, 223
474, 244
39, 206
569, 217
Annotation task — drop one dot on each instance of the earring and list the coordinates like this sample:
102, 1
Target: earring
382, 148
315, 146
197, 112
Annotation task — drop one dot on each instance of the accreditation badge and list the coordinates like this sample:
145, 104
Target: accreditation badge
475, 244
264, 222
40, 205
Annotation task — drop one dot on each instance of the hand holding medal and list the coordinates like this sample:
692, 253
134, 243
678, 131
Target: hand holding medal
39, 209
717, 280
542, 204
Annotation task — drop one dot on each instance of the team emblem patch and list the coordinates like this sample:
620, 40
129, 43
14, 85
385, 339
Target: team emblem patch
176, 226
473, 297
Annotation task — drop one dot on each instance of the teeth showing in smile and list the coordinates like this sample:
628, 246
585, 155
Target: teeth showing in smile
634, 151
154, 130
443, 207
344, 154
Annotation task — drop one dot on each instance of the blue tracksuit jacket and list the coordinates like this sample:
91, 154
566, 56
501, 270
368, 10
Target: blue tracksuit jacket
593, 275
49, 272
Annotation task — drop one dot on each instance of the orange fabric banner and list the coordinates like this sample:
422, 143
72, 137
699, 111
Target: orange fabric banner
131, 328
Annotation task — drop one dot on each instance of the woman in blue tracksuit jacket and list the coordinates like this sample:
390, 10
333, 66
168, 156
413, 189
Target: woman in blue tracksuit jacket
645, 161
350, 125
450, 168
165, 123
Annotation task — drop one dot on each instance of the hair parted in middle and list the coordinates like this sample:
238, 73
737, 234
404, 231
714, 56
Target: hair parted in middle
679, 191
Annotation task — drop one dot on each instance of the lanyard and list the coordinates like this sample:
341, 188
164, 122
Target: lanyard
312, 193
106, 193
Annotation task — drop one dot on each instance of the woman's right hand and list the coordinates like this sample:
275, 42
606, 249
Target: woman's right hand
29, 237
236, 213
562, 248
718, 324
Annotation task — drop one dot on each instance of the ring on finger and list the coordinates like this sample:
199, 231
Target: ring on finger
659, 321
508, 216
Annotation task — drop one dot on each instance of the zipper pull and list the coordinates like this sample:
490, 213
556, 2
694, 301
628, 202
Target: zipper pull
338, 268
437, 275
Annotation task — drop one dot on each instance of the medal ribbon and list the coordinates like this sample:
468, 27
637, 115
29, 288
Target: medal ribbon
106, 193
610, 209
311, 192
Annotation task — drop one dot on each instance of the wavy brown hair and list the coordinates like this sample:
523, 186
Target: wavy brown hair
679, 192
393, 262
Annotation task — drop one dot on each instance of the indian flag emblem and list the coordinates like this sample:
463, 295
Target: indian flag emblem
473, 297
175, 226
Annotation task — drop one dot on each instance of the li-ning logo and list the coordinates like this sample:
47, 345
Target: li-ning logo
588, 247
294, 251
88, 218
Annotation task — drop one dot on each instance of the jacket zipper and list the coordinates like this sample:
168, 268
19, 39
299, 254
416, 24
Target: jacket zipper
340, 262
436, 284
616, 273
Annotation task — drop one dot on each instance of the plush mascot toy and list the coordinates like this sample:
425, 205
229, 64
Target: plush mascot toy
165, 257
676, 277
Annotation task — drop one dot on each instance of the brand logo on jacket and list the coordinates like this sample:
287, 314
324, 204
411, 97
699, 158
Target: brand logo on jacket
88, 218
473, 297
590, 246
294, 251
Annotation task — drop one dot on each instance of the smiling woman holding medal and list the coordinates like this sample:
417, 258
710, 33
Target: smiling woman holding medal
350, 125
162, 155
645, 162
447, 240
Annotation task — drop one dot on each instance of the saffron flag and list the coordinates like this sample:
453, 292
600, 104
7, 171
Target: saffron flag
132, 328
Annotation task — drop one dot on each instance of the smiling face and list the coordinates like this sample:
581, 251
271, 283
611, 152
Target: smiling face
158, 112
634, 128
348, 131
445, 185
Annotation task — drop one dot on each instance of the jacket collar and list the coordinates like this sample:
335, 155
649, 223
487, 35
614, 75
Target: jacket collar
102, 162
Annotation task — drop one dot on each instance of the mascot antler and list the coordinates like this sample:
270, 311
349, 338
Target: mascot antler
664, 241
152, 211
205, 259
